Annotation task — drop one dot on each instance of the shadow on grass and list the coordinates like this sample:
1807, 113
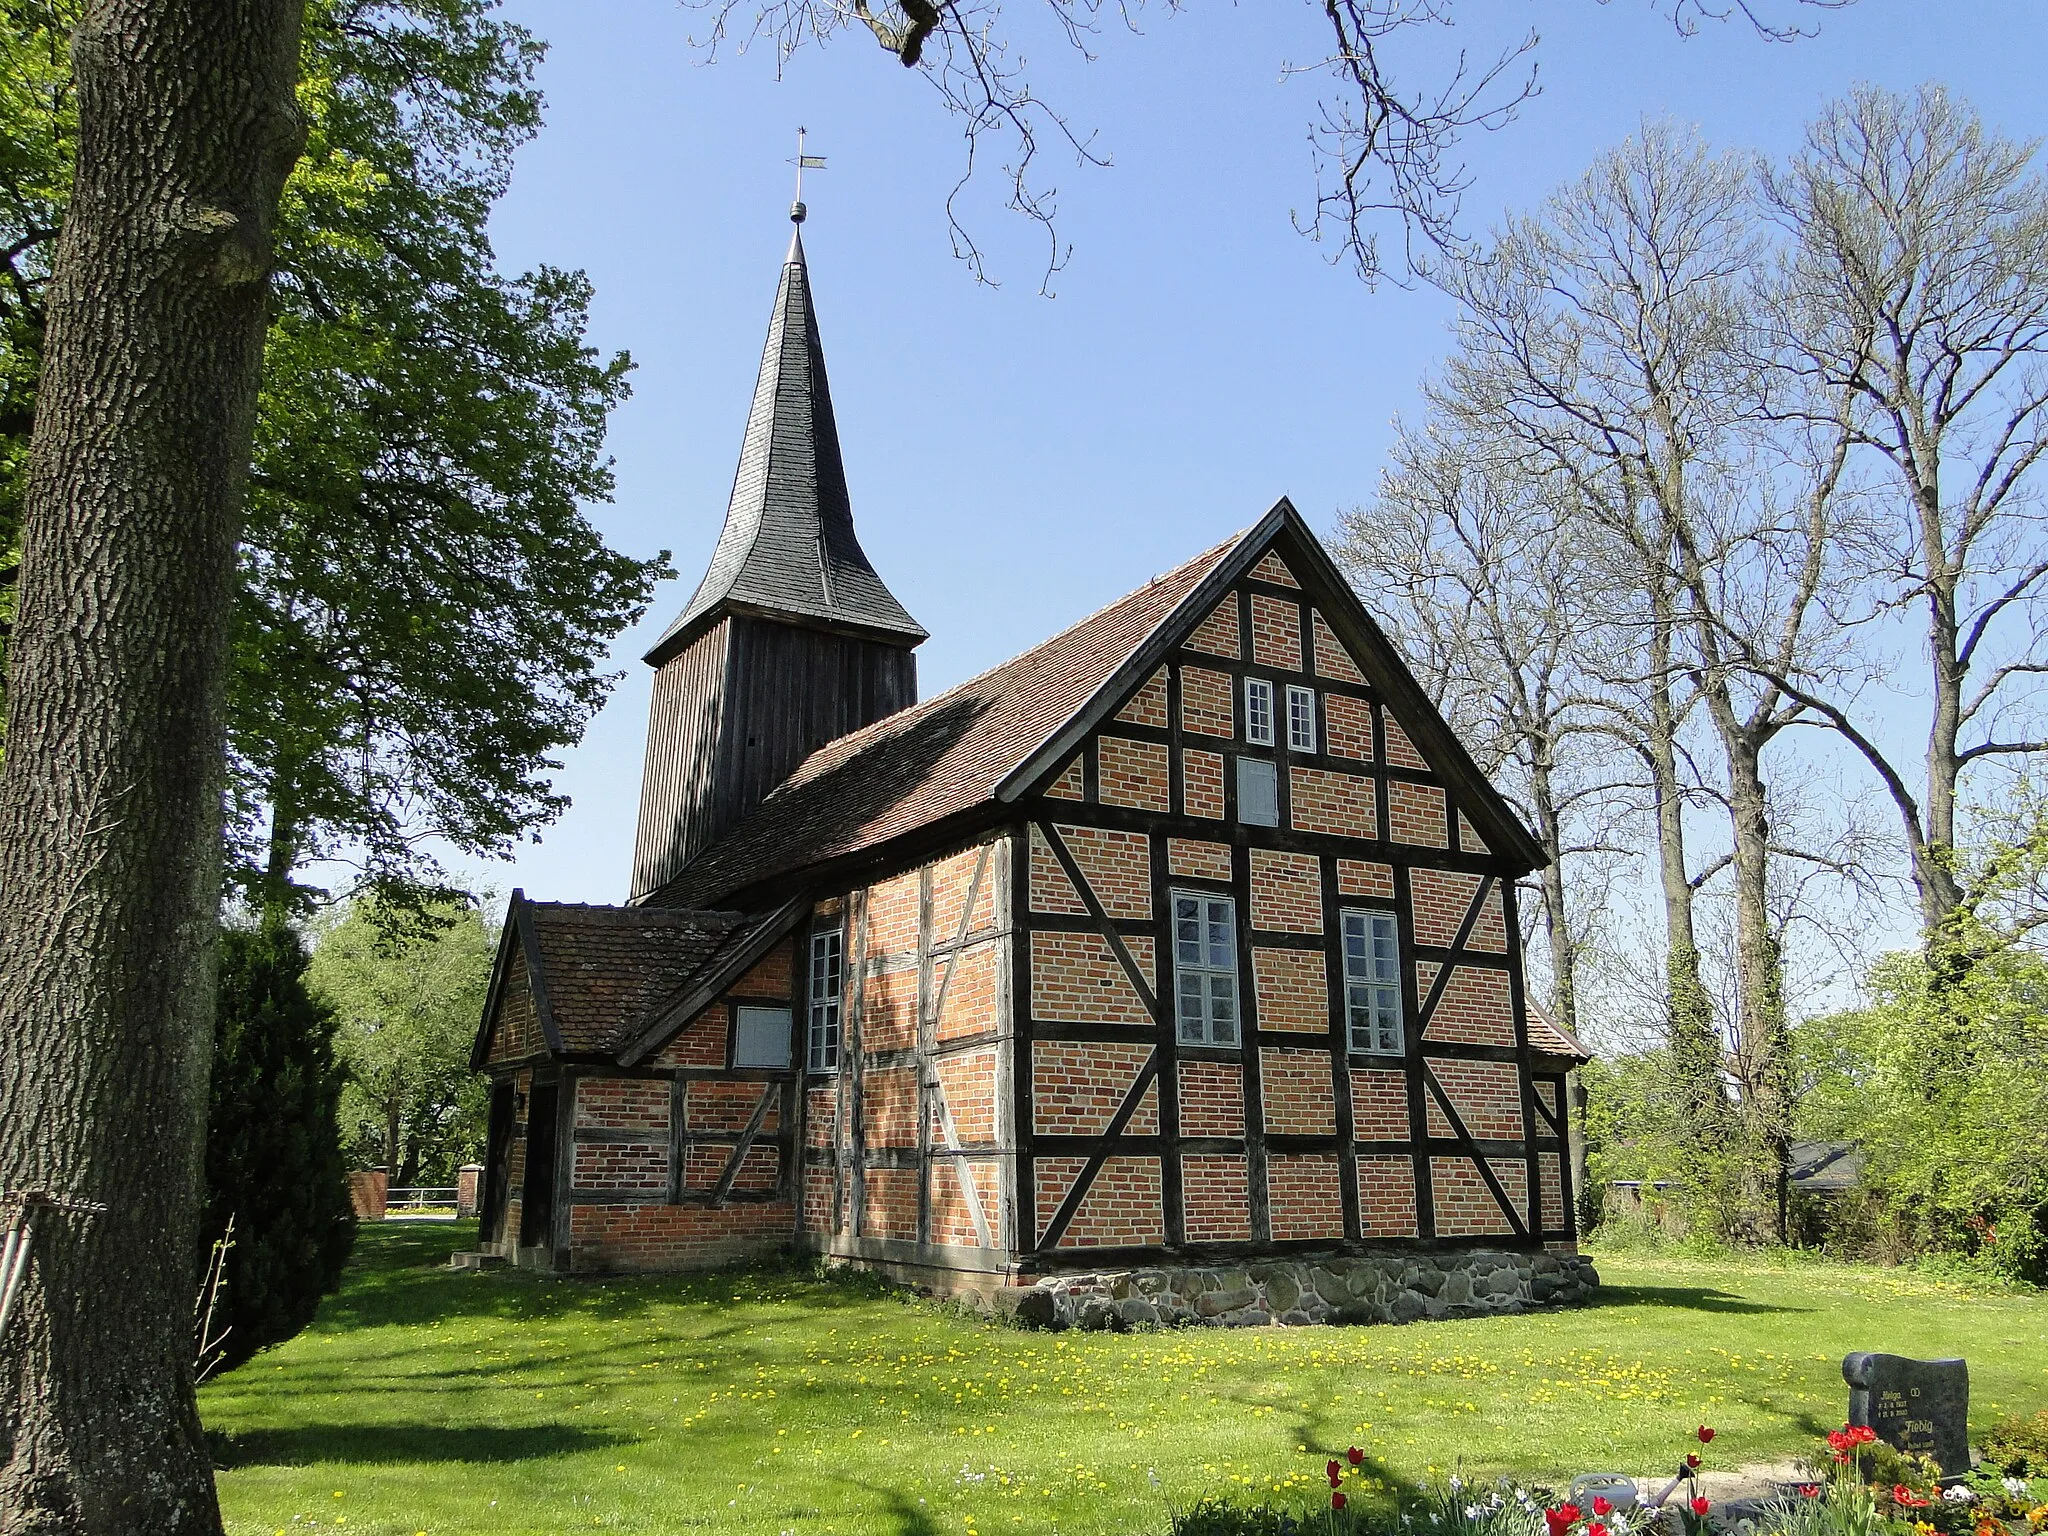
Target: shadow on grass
307, 1444
911, 1519
1691, 1298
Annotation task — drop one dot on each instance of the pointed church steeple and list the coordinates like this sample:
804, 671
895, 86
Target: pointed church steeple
788, 549
791, 639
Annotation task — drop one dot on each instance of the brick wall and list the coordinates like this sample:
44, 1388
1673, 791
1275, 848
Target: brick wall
1211, 1098
1550, 1191
1475, 1009
892, 909
1051, 890
1276, 633
1217, 634
889, 1106
1272, 568
1486, 1094
1340, 804
1332, 660
1400, 750
1075, 978
516, 1034
952, 1217
1303, 1198
952, 881
891, 1208
1133, 773
1201, 783
1295, 1089
1215, 1198
1287, 892
1293, 989
1415, 814
969, 1004
1468, 837
622, 1104
700, 1043
643, 1237
819, 1214
1441, 898
1386, 1197
1070, 785
1190, 859
621, 1167
1463, 1204
1347, 727
716, 1105
968, 1080
1207, 702
888, 1020
1379, 1104
1077, 1085
1363, 877
1117, 867
1121, 1208
1148, 704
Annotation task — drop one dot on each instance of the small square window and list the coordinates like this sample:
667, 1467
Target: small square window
1258, 792
760, 1037
1258, 712
1301, 719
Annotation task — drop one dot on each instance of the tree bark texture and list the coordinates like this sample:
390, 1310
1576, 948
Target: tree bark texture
110, 796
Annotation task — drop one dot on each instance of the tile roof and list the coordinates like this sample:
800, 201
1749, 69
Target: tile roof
1550, 1037
603, 970
788, 546
944, 756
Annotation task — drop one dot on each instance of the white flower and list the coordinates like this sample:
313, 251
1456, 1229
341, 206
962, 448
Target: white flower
2017, 1486
1457, 1483
1959, 1494
1474, 1511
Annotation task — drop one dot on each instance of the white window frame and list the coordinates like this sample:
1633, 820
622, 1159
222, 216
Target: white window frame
1372, 981
1258, 712
1210, 978
1258, 766
1301, 718
823, 998
771, 1024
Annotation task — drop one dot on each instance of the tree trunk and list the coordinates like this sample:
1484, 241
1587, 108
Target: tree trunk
110, 796
1564, 982
1762, 1042
391, 1118
1688, 1018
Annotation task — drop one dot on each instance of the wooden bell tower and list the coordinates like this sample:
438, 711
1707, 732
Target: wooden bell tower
791, 639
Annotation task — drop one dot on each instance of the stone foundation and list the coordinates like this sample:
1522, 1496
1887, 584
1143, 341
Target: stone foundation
1331, 1288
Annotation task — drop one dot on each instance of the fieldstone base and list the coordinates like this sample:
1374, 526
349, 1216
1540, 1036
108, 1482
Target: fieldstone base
1333, 1288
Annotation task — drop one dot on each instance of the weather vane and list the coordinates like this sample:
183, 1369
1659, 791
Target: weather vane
804, 163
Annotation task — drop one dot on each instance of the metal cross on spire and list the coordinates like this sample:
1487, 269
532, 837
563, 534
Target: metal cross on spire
803, 163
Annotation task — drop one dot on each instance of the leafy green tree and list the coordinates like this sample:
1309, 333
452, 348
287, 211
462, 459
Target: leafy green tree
423, 607
408, 1004
273, 1142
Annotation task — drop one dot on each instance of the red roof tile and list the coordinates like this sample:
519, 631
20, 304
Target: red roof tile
943, 756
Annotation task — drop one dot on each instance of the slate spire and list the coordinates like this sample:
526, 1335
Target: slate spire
788, 550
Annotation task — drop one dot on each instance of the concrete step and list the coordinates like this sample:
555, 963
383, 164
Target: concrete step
478, 1260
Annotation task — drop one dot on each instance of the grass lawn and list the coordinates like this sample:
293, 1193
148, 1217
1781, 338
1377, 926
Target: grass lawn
762, 1403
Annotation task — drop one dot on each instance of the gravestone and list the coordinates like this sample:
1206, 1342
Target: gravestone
1918, 1406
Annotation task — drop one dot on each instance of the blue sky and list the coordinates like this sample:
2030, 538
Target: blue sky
1017, 461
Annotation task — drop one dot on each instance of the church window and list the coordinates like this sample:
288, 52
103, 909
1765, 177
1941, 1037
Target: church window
1301, 719
1258, 792
824, 1001
760, 1037
1372, 982
1205, 968
1258, 712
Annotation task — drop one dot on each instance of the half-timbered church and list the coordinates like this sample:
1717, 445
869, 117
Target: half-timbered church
1187, 938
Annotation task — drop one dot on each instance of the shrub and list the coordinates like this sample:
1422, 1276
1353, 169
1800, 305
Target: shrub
2018, 1447
273, 1143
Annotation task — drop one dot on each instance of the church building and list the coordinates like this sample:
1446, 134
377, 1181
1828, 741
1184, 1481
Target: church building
1187, 939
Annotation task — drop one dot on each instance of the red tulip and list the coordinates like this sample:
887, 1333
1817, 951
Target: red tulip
1355, 1456
1809, 1490
1602, 1507
1693, 1462
1699, 1505
1595, 1528
1336, 1472
1706, 1435
1337, 1501
1561, 1519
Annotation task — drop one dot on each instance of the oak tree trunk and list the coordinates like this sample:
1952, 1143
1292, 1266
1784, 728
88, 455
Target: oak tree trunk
110, 795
